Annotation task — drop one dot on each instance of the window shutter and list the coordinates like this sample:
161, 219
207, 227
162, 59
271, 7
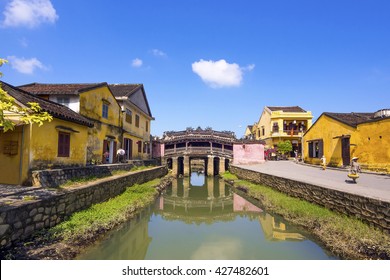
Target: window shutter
310, 149
320, 148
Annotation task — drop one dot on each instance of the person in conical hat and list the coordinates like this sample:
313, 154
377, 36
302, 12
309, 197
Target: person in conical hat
355, 166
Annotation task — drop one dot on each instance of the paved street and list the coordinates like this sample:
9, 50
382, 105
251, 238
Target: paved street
368, 185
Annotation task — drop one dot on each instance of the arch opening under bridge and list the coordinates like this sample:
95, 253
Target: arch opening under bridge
210, 149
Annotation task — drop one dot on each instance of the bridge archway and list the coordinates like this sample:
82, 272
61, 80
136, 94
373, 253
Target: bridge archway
227, 164
169, 163
216, 165
210, 147
180, 165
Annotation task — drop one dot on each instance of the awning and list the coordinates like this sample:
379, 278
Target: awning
342, 136
69, 129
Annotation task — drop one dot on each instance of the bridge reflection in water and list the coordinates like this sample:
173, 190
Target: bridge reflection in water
205, 220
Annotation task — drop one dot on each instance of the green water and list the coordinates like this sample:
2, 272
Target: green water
202, 218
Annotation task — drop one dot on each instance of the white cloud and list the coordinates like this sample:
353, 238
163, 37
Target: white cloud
25, 66
250, 67
220, 73
157, 52
136, 63
30, 13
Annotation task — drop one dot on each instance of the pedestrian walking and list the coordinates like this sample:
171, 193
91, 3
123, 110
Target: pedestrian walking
354, 169
323, 162
355, 166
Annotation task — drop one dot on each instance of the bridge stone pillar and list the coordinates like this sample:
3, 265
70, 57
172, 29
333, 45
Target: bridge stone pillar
221, 165
210, 165
175, 166
187, 166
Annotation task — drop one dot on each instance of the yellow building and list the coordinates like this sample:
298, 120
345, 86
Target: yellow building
137, 117
278, 124
250, 132
341, 136
59, 143
95, 102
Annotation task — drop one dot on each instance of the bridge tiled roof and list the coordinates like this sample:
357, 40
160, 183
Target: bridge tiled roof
199, 134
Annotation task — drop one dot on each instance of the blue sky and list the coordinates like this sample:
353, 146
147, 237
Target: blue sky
208, 63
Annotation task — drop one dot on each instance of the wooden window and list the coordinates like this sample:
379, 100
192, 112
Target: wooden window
147, 126
105, 110
129, 117
137, 120
10, 148
63, 101
139, 146
63, 144
275, 127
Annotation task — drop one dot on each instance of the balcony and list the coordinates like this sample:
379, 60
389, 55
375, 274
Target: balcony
288, 133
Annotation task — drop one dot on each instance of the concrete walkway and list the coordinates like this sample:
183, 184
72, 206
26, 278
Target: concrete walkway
368, 185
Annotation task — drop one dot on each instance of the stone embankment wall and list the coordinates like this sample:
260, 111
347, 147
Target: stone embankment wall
21, 220
56, 177
371, 211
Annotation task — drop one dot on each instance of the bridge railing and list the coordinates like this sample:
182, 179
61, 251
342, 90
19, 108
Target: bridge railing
197, 150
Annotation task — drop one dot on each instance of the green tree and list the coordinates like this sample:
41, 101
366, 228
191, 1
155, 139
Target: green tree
27, 115
284, 147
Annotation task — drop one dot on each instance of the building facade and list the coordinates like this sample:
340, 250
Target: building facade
278, 124
341, 136
59, 143
136, 120
95, 102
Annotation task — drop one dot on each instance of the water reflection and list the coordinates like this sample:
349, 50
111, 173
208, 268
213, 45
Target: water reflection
207, 221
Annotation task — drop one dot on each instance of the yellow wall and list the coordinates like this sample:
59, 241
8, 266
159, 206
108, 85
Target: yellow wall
137, 133
96, 136
370, 142
373, 145
44, 145
326, 129
267, 119
10, 160
38, 149
91, 103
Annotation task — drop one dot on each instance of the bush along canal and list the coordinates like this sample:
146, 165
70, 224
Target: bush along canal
65, 240
345, 237
201, 217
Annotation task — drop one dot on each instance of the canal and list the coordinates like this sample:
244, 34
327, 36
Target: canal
201, 217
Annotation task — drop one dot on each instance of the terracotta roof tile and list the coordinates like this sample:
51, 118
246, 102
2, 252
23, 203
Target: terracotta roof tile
71, 89
56, 110
124, 89
352, 119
